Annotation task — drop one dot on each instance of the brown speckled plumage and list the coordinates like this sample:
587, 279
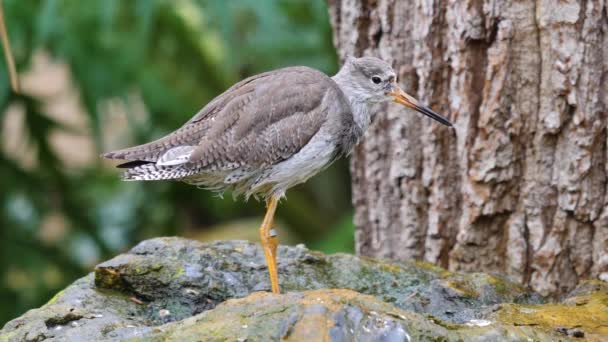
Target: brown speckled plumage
255, 124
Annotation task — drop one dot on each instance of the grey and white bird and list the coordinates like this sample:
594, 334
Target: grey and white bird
270, 132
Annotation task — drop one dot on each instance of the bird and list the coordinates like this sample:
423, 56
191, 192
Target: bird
270, 132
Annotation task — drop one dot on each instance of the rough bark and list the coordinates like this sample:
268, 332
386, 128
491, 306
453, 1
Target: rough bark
519, 187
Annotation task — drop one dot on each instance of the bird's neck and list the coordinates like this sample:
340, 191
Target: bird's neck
360, 108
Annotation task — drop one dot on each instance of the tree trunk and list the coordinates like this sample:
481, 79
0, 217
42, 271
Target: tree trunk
519, 186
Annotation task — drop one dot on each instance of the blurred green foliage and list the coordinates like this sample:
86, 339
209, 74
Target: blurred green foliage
176, 56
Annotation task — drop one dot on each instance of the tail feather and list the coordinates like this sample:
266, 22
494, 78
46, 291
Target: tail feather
151, 171
132, 164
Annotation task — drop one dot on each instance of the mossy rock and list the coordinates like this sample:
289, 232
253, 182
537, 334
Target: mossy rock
183, 290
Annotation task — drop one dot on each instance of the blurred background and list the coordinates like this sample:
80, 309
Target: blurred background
105, 74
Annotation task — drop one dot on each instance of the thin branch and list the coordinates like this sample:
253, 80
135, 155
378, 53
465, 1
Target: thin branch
8, 54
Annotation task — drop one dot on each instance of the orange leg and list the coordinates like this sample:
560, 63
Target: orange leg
270, 242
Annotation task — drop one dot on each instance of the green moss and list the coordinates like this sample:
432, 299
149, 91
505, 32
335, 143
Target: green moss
462, 287
429, 266
440, 322
10, 336
55, 297
178, 273
145, 269
499, 285
391, 268
440, 272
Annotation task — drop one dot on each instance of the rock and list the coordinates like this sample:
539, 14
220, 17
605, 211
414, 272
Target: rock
318, 315
182, 290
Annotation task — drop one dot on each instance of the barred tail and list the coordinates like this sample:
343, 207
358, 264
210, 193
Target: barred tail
153, 171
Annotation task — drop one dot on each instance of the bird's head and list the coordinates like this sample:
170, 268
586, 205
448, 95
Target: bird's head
374, 81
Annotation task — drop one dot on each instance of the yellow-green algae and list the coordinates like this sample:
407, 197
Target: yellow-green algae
391, 268
179, 272
10, 336
55, 297
462, 287
500, 286
441, 272
587, 312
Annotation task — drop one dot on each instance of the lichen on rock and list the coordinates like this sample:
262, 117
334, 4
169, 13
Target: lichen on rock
178, 289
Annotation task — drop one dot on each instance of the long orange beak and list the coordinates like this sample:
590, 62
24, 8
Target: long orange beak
403, 98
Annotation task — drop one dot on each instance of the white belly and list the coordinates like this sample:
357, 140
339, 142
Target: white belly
310, 160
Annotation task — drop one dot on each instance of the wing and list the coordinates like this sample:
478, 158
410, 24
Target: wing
257, 122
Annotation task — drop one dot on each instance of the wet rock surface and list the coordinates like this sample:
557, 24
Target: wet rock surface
183, 290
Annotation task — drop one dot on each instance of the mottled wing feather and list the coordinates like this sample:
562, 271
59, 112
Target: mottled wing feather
238, 89
268, 124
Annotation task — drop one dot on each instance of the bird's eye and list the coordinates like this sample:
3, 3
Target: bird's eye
376, 79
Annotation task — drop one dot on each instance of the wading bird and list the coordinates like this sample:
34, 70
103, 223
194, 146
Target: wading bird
270, 132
